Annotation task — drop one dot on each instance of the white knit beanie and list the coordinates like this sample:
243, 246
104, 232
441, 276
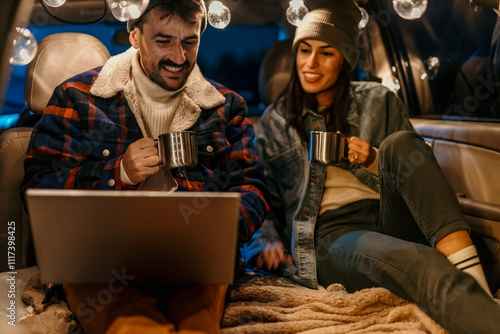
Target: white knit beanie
153, 3
336, 25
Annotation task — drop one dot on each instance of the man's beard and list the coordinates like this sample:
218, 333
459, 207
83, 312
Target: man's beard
157, 78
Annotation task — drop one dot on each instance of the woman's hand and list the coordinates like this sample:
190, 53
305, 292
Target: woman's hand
360, 152
273, 256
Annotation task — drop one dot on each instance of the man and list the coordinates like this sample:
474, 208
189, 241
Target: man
98, 131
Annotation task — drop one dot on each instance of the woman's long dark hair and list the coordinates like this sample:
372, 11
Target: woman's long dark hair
296, 98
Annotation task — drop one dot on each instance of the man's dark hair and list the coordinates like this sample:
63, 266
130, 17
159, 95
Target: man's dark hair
190, 11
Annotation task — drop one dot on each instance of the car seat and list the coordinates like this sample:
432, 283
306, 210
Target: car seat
275, 71
59, 57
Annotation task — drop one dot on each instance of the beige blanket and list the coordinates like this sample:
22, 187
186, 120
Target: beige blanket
270, 305
263, 304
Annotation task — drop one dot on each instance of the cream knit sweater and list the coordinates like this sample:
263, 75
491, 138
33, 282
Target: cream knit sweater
342, 187
157, 108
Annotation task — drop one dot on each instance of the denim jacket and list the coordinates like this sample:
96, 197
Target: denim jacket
296, 185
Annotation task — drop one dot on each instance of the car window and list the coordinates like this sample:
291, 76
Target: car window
223, 56
443, 65
234, 61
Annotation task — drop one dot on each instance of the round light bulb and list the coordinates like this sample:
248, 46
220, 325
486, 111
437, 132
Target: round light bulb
296, 11
54, 3
432, 65
364, 18
219, 15
124, 10
410, 9
24, 46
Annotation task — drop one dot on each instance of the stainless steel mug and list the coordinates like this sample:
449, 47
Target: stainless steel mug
177, 149
326, 147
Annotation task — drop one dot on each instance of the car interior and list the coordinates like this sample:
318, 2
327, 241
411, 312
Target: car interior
444, 66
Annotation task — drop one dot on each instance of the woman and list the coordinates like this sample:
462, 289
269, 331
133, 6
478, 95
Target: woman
386, 217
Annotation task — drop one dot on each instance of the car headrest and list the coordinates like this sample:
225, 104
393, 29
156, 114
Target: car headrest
60, 57
275, 71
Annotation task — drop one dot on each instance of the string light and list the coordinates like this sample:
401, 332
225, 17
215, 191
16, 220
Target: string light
364, 18
24, 46
410, 9
124, 10
219, 15
54, 3
296, 11
432, 65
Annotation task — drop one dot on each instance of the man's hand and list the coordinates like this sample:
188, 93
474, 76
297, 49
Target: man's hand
141, 160
361, 152
273, 256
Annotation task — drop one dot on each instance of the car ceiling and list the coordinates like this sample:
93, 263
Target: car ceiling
31, 12
242, 11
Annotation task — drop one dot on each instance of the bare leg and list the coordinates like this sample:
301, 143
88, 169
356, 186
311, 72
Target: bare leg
454, 242
459, 249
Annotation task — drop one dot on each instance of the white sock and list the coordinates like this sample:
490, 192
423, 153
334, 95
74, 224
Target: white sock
468, 261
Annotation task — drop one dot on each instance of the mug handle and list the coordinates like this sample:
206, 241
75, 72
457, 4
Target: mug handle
159, 148
344, 147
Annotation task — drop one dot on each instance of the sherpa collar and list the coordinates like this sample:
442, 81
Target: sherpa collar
116, 73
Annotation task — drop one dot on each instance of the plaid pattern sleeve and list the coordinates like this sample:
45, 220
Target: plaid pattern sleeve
245, 169
80, 140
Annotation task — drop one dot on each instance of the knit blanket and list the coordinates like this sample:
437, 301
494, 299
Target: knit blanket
264, 304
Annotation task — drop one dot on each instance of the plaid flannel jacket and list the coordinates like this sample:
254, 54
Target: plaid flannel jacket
81, 138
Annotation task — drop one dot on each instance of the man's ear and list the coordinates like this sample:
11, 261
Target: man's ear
134, 37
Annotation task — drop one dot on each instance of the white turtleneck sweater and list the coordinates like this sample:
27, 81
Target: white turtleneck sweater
157, 108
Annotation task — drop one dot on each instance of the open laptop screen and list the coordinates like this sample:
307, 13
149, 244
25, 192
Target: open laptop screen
91, 236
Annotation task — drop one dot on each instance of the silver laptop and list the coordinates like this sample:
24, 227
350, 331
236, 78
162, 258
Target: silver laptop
94, 236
